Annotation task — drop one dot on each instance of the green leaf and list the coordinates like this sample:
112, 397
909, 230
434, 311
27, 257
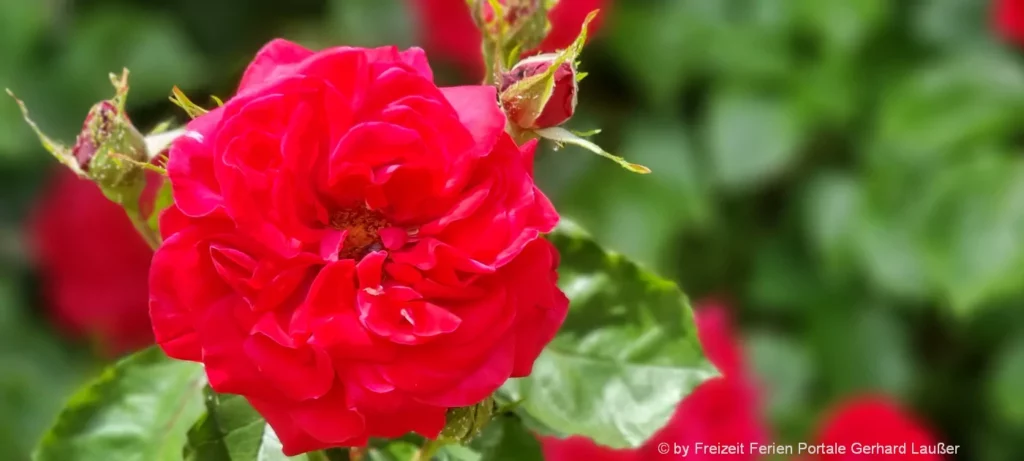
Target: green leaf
944, 111
270, 448
974, 231
563, 136
138, 410
60, 152
751, 138
232, 430
179, 99
625, 357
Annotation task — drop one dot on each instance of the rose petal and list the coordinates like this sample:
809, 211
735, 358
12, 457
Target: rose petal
273, 59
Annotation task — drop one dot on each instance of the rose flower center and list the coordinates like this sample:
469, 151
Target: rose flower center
363, 227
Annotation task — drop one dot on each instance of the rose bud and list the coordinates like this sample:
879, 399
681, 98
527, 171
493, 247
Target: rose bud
451, 30
109, 151
522, 22
534, 97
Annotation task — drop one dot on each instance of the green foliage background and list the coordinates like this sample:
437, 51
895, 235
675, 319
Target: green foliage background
848, 173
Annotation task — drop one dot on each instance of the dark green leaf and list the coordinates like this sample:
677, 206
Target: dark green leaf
139, 410
232, 430
507, 439
625, 357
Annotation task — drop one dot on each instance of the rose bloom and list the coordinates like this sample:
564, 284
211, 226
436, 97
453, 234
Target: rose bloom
1008, 19
354, 249
872, 420
92, 264
722, 410
447, 30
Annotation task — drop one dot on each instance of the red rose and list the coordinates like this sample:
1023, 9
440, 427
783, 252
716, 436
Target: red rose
354, 249
872, 421
723, 410
579, 448
448, 30
93, 265
1008, 18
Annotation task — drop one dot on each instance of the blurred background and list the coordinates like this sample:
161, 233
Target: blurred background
847, 174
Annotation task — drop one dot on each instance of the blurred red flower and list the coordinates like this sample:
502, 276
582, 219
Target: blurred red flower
1008, 19
723, 410
875, 422
93, 264
447, 30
